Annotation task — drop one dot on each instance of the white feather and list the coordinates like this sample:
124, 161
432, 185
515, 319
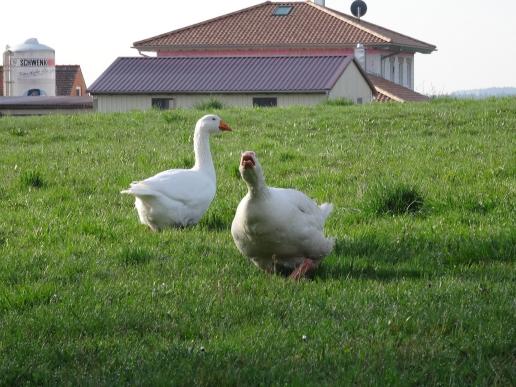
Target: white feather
180, 197
279, 227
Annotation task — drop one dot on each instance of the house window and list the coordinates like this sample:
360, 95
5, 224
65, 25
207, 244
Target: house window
265, 101
400, 71
162, 103
78, 91
282, 10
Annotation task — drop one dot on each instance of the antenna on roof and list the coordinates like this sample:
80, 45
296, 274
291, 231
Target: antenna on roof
358, 8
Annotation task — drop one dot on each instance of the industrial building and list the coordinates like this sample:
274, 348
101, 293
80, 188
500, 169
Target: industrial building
31, 82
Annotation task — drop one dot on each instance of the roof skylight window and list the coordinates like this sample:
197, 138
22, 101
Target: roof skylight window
282, 10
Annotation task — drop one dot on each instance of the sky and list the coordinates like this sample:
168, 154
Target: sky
475, 39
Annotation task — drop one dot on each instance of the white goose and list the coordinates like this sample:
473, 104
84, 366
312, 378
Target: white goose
280, 230
180, 197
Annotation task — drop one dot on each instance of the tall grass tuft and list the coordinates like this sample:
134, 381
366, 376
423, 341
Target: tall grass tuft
32, 179
338, 102
394, 199
134, 256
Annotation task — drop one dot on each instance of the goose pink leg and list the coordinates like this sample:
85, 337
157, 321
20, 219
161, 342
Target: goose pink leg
302, 270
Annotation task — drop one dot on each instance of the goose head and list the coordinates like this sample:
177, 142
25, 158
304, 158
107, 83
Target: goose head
250, 169
211, 124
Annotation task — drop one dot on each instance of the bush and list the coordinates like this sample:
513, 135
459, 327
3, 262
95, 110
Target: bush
209, 104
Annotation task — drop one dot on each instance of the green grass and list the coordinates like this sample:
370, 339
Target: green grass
420, 289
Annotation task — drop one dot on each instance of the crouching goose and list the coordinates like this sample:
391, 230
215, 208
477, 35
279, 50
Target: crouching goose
180, 197
280, 230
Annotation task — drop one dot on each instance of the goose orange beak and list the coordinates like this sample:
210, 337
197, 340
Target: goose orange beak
223, 126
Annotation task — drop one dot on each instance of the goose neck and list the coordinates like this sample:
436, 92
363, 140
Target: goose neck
203, 159
257, 187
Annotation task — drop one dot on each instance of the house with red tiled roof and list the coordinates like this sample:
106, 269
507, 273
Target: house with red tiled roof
265, 35
301, 28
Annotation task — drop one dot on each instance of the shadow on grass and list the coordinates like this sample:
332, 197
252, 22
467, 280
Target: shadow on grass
384, 256
367, 273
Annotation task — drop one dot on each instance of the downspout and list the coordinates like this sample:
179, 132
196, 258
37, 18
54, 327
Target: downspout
144, 55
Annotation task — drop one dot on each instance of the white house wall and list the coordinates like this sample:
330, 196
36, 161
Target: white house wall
352, 85
374, 64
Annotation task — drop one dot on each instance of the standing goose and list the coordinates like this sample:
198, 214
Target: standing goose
280, 230
180, 197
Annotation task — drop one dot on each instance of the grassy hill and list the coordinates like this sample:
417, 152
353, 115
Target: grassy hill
420, 289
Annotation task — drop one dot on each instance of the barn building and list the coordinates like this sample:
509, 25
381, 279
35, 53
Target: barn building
183, 82
258, 55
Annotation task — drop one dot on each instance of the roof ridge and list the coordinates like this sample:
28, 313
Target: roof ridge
399, 33
347, 19
214, 19
384, 28
235, 56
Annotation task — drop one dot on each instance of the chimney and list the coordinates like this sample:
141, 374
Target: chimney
360, 55
319, 2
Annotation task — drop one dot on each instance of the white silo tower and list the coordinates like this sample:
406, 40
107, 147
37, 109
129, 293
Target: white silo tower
29, 69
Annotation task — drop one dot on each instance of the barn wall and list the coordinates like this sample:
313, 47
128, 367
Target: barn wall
121, 103
352, 85
246, 100
124, 103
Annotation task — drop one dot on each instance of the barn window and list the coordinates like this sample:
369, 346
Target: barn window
282, 10
265, 101
78, 91
162, 103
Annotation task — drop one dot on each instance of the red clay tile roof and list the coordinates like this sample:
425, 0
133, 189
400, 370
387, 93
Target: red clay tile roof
390, 91
65, 77
306, 26
287, 74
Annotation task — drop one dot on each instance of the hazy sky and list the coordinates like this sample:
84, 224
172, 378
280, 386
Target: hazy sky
476, 39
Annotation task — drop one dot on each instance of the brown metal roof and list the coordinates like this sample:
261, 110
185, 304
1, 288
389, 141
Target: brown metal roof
282, 74
306, 26
43, 102
390, 91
